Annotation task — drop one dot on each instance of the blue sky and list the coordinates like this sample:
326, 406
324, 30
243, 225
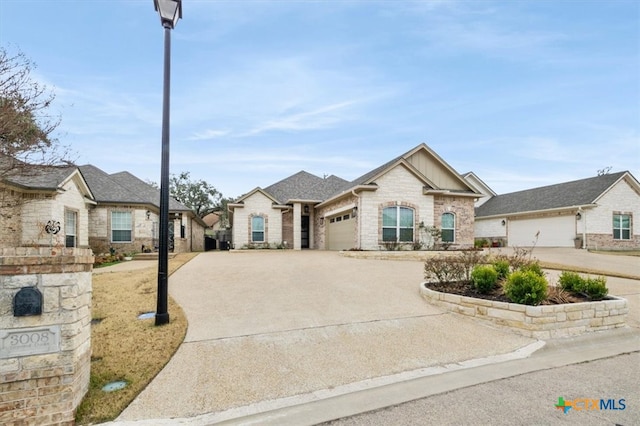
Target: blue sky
523, 93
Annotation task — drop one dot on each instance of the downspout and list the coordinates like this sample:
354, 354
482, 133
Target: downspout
353, 192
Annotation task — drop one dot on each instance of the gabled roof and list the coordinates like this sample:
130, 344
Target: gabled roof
32, 177
305, 186
108, 190
145, 190
583, 192
124, 188
478, 184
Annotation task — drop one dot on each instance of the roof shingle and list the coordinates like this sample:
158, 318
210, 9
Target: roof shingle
574, 193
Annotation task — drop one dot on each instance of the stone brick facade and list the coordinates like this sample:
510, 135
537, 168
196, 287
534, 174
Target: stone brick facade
10, 225
463, 210
257, 204
45, 386
540, 322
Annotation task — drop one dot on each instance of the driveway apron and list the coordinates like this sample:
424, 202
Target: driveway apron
266, 325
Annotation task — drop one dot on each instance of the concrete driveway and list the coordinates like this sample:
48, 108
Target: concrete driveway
268, 325
269, 329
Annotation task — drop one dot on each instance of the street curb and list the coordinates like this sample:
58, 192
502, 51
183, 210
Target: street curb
560, 353
369, 395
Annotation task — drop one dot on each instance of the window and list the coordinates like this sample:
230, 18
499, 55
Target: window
448, 228
70, 226
397, 224
121, 227
257, 229
621, 226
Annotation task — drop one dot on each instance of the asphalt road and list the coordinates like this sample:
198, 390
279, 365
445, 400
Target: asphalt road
528, 399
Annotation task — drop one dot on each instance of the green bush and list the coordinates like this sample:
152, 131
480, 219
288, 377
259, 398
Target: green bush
484, 278
526, 287
502, 268
571, 281
596, 288
532, 267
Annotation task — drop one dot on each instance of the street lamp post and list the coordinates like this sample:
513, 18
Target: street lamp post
170, 11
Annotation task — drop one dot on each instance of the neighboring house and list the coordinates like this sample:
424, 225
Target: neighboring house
390, 207
597, 212
126, 216
38, 196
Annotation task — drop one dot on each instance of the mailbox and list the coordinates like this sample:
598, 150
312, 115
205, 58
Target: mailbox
27, 302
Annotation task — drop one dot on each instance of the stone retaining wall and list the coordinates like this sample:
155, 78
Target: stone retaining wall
540, 322
45, 358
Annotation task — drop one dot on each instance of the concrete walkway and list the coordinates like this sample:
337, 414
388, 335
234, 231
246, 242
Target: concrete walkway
270, 330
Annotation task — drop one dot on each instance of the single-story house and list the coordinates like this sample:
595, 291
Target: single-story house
43, 205
597, 212
393, 206
126, 215
87, 208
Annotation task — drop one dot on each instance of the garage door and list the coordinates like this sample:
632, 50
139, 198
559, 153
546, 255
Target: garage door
556, 231
341, 232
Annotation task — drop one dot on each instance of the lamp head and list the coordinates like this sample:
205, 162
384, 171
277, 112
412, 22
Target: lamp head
170, 11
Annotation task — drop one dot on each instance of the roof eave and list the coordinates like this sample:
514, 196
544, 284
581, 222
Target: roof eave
530, 212
347, 192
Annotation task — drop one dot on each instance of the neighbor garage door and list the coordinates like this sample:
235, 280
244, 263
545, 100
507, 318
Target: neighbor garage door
341, 232
558, 231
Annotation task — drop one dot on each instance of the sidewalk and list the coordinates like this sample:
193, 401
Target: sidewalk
279, 329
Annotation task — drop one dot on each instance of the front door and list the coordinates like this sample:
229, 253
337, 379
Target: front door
304, 232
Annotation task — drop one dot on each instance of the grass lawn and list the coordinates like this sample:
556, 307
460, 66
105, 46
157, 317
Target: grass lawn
124, 347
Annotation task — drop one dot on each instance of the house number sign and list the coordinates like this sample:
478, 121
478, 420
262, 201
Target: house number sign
29, 341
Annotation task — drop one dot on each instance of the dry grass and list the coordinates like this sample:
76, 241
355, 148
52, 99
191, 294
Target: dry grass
124, 347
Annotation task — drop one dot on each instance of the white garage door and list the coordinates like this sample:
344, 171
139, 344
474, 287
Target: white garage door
556, 231
341, 232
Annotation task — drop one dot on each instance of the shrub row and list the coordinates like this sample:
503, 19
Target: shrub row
594, 288
524, 281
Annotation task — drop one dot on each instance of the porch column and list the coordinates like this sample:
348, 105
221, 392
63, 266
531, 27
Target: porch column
297, 226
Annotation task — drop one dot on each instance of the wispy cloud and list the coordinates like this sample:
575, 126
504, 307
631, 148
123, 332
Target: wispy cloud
208, 134
320, 118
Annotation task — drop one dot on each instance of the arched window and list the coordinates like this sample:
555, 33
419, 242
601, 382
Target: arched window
448, 228
397, 224
257, 229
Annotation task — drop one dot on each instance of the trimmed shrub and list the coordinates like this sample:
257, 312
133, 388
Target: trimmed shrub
502, 268
596, 288
526, 287
532, 267
571, 281
484, 278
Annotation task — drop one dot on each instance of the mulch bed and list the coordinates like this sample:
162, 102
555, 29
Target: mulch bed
466, 288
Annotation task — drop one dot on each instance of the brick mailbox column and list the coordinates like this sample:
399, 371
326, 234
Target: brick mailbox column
45, 334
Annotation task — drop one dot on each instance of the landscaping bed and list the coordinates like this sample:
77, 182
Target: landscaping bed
513, 291
540, 322
466, 288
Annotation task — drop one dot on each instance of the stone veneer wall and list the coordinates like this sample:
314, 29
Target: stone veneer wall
464, 212
10, 223
606, 241
45, 359
540, 322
